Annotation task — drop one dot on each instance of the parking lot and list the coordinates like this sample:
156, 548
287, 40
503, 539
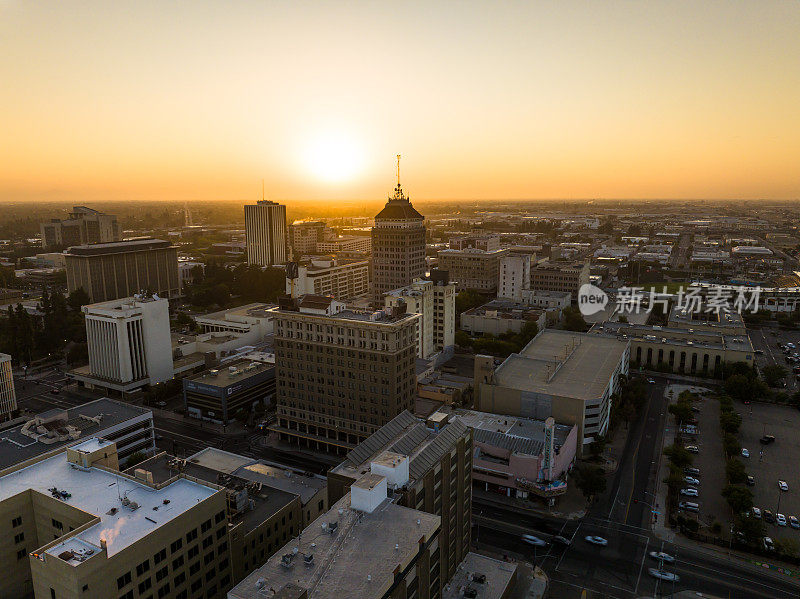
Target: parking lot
765, 342
777, 461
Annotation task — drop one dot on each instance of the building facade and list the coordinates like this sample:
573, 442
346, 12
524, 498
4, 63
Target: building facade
8, 395
304, 236
472, 269
109, 271
346, 243
340, 279
83, 226
501, 316
486, 243
398, 245
560, 276
265, 231
129, 341
514, 276
340, 374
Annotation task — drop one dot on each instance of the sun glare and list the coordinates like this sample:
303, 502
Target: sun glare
334, 158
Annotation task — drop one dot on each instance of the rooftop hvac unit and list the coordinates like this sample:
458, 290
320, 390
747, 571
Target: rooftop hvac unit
308, 559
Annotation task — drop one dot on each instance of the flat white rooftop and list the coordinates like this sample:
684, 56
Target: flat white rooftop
98, 492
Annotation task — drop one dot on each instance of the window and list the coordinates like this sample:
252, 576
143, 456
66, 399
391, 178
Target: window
194, 551
145, 584
208, 558
182, 595
194, 569
21, 553
128, 595
205, 526
163, 591
211, 574
177, 562
162, 573
191, 535
207, 542
16, 522
220, 533
180, 579
19, 538
123, 580
143, 567
176, 545
57, 524
219, 517
211, 591
160, 556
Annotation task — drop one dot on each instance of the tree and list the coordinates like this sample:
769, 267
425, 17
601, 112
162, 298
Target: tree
787, 546
731, 445
681, 410
466, 300
678, 456
135, 458
752, 529
591, 480
730, 422
773, 373
77, 299
739, 498
573, 320
735, 471
463, 339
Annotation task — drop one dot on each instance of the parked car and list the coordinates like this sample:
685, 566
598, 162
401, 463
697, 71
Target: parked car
751, 481
689, 506
689, 480
769, 517
690, 492
693, 449
651, 381
781, 519
768, 544
594, 540
745, 452
767, 439
794, 522
756, 513
782, 485
692, 471
561, 540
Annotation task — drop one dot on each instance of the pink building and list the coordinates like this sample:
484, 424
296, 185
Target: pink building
517, 456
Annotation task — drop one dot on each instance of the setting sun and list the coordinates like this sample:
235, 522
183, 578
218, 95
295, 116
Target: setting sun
334, 158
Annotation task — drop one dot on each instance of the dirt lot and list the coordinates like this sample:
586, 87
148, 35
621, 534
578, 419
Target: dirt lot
780, 460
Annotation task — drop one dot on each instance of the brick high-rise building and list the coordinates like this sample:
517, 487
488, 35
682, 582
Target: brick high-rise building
340, 375
398, 245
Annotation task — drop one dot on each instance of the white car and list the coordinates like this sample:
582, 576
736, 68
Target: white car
690, 492
535, 541
662, 557
651, 381
756, 513
780, 519
745, 453
668, 576
768, 544
782, 485
689, 480
596, 540
692, 449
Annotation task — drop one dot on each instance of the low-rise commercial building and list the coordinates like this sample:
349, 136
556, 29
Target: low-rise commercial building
84, 225
482, 577
486, 243
218, 394
514, 455
560, 276
129, 427
8, 395
547, 300
515, 276
472, 269
501, 316
569, 376
345, 243
250, 322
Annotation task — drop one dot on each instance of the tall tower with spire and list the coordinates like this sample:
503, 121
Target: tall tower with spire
398, 244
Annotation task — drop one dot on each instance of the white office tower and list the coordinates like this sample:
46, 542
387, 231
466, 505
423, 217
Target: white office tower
265, 229
129, 340
8, 397
514, 276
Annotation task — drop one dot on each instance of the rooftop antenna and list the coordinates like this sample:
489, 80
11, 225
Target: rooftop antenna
398, 170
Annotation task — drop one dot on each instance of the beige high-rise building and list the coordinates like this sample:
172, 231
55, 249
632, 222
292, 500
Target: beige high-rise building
560, 276
341, 279
304, 236
8, 396
472, 269
340, 374
109, 271
265, 232
435, 301
83, 226
398, 245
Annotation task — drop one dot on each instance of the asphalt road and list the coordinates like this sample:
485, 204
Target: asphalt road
622, 516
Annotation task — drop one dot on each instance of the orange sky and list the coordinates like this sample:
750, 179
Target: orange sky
201, 100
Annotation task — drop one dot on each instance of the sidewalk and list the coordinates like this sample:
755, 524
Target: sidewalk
570, 506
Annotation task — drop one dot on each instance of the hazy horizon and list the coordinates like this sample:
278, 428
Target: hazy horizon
524, 101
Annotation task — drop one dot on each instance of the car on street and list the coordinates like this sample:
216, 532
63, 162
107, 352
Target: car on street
768, 544
794, 522
782, 485
689, 506
692, 449
745, 453
662, 557
667, 576
692, 471
162, 404
535, 541
760, 352
751, 481
689, 480
594, 540
769, 517
651, 381
561, 540
690, 492
756, 512
780, 519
